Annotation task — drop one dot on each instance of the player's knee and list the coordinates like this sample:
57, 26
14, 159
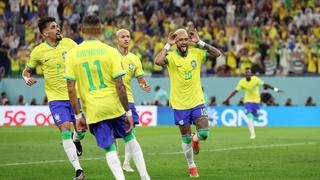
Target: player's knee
113, 147
129, 137
66, 134
81, 135
186, 139
203, 134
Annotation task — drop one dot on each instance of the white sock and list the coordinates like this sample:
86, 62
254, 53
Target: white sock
127, 154
71, 152
138, 159
115, 165
250, 126
188, 152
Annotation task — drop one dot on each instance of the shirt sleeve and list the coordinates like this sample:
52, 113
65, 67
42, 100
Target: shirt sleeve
68, 69
239, 86
71, 43
203, 55
117, 68
260, 82
168, 59
139, 71
34, 60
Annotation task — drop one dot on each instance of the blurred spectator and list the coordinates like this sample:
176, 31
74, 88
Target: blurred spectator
272, 37
272, 102
213, 101
53, 9
161, 97
20, 100
45, 101
33, 102
147, 66
265, 96
15, 64
4, 60
15, 9
310, 102
93, 8
231, 8
289, 102
124, 7
4, 99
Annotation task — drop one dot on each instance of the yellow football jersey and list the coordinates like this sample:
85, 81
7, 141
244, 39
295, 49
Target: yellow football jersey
185, 83
133, 68
251, 89
52, 61
94, 66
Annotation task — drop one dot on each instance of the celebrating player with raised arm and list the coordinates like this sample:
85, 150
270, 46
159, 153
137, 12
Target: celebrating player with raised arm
250, 84
50, 54
133, 68
186, 95
96, 70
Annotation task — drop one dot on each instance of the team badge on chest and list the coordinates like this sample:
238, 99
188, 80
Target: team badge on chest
193, 64
131, 67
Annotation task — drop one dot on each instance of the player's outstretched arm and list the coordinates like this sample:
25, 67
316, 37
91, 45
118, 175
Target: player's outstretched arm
268, 86
233, 93
160, 58
122, 93
81, 124
26, 75
196, 39
144, 84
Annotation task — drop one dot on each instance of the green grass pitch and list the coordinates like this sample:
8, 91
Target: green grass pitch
31, 153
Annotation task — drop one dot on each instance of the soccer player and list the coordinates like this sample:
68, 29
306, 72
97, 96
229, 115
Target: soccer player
50, 54
186, 95
250, 84
96, 70
133, 68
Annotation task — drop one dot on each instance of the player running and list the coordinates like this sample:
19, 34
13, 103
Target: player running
133, 68
96, 70
50, 54
250, 84
186, 95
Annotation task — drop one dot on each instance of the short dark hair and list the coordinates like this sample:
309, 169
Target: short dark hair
91, 20
248, 69
43, 22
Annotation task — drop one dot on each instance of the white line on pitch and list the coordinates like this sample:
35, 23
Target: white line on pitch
168, 153
241, 148
46, 162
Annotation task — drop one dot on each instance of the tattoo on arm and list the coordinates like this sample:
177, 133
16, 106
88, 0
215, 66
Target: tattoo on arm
212, 50
268, 86
122, 93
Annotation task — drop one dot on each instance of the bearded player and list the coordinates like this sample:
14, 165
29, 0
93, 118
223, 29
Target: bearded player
50, 55
186, 95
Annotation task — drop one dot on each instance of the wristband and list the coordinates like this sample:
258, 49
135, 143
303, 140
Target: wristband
201, 43
167, 46
78, 116
276, 89
129, 113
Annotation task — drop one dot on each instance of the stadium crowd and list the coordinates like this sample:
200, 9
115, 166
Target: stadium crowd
273, 37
